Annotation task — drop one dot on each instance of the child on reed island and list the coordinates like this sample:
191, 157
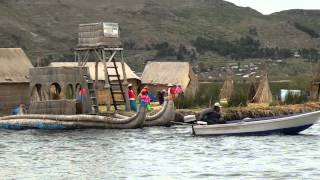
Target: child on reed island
145, 99
178, 90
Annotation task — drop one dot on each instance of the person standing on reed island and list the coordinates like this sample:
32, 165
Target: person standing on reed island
171, 91
19, 110
132, 98
178, 90
145, 99
212, 115
160, 96
82, 98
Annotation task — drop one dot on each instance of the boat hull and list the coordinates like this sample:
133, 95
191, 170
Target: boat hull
286, 125
164, 117
65, 122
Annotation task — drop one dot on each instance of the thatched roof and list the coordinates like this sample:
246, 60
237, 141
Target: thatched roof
228, 86
15, 65
263, 94
163, 73
91, 65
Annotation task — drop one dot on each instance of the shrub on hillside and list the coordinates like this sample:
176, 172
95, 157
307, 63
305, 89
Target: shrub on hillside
312, 33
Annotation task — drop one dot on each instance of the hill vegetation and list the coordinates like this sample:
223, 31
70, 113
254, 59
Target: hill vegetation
168, 29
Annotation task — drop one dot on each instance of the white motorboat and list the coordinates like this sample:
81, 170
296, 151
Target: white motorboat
282, 125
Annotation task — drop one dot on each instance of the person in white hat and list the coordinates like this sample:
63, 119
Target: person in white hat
132, 98
171, 91
212, 115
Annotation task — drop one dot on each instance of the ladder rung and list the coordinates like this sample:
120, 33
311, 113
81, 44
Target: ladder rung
115, 84
114, 75
112, 66
117, 92
118, 101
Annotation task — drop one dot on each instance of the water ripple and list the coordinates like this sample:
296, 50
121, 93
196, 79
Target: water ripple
156, 153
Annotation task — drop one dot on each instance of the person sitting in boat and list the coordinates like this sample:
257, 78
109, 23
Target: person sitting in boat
212, 115
19, 110
132, 98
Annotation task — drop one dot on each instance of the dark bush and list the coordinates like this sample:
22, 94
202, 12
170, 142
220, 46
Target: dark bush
296, 99
206, 96
245, 47
312, 33
239, 98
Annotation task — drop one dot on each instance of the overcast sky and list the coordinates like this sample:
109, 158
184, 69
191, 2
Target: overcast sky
270, 6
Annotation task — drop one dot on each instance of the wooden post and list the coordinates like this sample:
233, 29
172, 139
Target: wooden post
75, 56
107, 83
125, 83
96, 80
38, 61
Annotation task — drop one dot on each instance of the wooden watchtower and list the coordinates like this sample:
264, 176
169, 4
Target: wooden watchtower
101, 41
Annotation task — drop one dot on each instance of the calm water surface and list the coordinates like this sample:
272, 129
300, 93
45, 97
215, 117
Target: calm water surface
156, 153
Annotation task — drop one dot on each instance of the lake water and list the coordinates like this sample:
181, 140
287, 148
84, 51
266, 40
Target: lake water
156, 153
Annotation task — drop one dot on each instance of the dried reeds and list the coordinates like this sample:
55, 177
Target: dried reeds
263, 94
228, 86
271, 111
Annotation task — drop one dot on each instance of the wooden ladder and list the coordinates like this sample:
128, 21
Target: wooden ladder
116, 87
92, 95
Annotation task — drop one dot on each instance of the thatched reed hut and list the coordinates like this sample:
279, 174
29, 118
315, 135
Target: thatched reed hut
263, 94
14, 79
157, 75
102, 93
228, 87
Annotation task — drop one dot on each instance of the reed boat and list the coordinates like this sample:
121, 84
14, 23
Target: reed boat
162, 118
284, 125
64, 122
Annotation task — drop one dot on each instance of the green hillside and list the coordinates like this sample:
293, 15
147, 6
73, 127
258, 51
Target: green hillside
52, 24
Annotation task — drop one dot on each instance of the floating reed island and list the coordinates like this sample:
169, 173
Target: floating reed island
255, 111
269, 111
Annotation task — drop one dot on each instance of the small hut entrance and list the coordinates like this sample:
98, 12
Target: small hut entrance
37, 94
77, 90
69, 92
55, 91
